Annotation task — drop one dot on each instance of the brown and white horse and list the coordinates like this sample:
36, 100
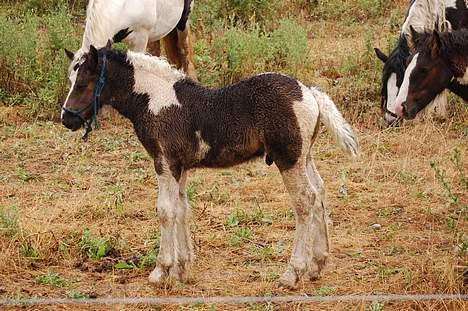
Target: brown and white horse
184, 125
149, 20
440, 62
423, 15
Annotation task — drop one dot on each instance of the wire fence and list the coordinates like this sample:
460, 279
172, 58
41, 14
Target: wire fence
228, 300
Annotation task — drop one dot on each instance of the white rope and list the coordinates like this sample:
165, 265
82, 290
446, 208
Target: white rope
228, 300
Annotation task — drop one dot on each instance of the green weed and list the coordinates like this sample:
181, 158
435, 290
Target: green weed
242, 234
326, 290
9, 221
94, 247
51, 278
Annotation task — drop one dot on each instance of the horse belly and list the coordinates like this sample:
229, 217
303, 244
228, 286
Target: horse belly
168, 14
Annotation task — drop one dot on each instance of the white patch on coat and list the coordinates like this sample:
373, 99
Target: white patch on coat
155, 77
72, 77
424, 15
404, 88
392, 93
203, 148
464, 80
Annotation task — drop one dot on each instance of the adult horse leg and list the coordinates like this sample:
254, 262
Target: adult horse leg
185, 47
310, 248
179, 51
154, 48
176, 250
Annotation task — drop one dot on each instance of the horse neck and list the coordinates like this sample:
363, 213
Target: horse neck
99, 21
426, 15
137, 80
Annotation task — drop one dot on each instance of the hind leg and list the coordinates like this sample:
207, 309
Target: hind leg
154, 48
310, 248
322, 245
179, 51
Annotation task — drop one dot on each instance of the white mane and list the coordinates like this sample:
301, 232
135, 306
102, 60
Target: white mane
154, 65
425, 15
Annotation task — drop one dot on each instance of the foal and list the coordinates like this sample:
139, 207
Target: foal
440, 62
184, 125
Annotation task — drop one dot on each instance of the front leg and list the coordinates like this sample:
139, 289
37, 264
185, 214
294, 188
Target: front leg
176, 251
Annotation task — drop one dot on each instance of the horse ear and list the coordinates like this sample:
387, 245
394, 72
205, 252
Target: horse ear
70, 54
93, 57
381, 55
435, 44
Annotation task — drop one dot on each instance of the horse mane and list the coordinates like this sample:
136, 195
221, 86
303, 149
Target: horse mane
425, 15
154, 65
451, 43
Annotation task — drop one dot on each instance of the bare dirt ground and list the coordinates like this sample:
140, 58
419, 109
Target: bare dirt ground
59, 186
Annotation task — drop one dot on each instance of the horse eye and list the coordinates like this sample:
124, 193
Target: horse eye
75, 68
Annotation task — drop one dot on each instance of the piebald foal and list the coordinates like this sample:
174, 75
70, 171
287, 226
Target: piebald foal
184, 125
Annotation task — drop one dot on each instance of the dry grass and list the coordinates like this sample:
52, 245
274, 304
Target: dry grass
53, 187
108, 186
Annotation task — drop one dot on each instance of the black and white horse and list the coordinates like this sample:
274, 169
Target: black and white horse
184, 125
423, 15
150, 20
441, 60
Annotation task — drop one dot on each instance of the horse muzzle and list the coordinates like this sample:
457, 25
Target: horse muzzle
71, 121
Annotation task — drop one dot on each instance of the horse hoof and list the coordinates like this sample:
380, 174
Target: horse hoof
289, 279
157, 276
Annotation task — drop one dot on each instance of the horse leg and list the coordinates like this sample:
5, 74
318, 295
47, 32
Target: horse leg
170, 46
322, 243
185, 47
185, 252
173, 243
179, 51
154, 48
308, 254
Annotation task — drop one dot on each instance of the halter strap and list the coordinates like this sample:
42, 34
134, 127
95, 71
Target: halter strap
95, 103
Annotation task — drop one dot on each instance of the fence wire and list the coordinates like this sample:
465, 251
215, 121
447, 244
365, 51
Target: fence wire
228, 300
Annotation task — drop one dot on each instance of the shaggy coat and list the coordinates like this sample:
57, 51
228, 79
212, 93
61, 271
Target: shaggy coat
184, 125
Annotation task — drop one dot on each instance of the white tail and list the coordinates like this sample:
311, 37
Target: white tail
341, 131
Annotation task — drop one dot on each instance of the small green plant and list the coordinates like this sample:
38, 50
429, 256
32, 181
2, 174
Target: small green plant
376, 306
94, 247
29, 250
76, 294
9, 220
242, 234
51, 278
192, 190
151, 256
326, 290
24, 175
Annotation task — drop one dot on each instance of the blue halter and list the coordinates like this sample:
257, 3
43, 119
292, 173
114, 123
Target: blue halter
95, 103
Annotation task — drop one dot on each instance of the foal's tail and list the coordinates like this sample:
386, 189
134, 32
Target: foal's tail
341, 131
